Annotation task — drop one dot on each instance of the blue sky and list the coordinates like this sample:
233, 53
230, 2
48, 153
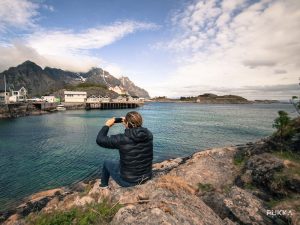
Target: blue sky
173, 48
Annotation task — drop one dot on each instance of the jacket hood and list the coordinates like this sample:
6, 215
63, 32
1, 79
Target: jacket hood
139, 134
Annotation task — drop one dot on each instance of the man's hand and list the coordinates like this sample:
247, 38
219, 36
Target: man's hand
110, 122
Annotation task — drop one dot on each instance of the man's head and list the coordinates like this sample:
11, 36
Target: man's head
133, 119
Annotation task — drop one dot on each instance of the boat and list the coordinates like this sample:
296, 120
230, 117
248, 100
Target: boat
60, 108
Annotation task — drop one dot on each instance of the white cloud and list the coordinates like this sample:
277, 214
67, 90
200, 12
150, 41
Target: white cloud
69, 49
66, 49
17, 52
55, 42
17, 14
235, 43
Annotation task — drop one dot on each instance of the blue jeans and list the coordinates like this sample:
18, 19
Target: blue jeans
112, 169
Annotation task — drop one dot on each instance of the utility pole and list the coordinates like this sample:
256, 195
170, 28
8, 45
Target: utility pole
5, 90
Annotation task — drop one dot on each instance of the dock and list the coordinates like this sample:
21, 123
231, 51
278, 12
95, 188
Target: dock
112, 105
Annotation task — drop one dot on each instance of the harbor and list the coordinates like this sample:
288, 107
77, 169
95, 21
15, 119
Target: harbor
15, 103
13, 110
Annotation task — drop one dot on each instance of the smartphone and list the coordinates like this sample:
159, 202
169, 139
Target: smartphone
118, 120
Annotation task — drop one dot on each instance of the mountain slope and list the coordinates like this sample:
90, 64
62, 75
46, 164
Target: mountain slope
132, 88
31, 76
40, 81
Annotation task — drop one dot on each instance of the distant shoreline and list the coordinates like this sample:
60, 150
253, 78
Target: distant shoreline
26, 109
215, 103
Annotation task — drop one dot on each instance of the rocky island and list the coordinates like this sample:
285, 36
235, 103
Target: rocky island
207, 98
254, 183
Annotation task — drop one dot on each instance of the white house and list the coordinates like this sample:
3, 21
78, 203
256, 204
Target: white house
133, 99
120, 99
49, 98
93, 98
75, 96
18, 96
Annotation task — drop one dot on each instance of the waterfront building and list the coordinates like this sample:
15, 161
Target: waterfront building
18, 96
105, 99
49, 98
133, 99
93, 98
35, 99
120, 99
75, 96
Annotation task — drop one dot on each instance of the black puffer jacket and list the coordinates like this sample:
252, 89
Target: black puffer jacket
136, 152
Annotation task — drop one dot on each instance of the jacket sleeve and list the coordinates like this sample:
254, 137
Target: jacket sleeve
105, 141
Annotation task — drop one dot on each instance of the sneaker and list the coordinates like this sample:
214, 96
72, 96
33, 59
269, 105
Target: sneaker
104, 188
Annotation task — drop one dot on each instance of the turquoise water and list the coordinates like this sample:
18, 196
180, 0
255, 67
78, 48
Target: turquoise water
42, 152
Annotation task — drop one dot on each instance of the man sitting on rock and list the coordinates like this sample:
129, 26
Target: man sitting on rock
135, 147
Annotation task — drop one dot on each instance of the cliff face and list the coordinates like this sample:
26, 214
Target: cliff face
40, 81
98, 76
133, 89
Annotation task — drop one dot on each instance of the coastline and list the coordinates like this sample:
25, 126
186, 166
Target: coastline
28, 109
212, 180
220, 102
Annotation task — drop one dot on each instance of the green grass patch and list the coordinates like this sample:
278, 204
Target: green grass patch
292, 156
250, 186
273, 202
290, 202
205, 187
100, 213
239, 160
84, 86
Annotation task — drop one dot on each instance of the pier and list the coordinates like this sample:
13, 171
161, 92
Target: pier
113, 105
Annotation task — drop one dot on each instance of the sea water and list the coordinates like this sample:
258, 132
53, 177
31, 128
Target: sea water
48, 151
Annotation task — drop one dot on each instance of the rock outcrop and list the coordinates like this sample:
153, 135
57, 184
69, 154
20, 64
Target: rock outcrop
204, 188
132, 89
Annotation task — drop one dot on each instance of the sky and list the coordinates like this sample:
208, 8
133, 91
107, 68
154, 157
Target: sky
169, 47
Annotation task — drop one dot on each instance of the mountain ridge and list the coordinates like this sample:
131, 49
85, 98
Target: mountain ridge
39, 81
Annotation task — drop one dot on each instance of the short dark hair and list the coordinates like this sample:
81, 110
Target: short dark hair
134, 119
